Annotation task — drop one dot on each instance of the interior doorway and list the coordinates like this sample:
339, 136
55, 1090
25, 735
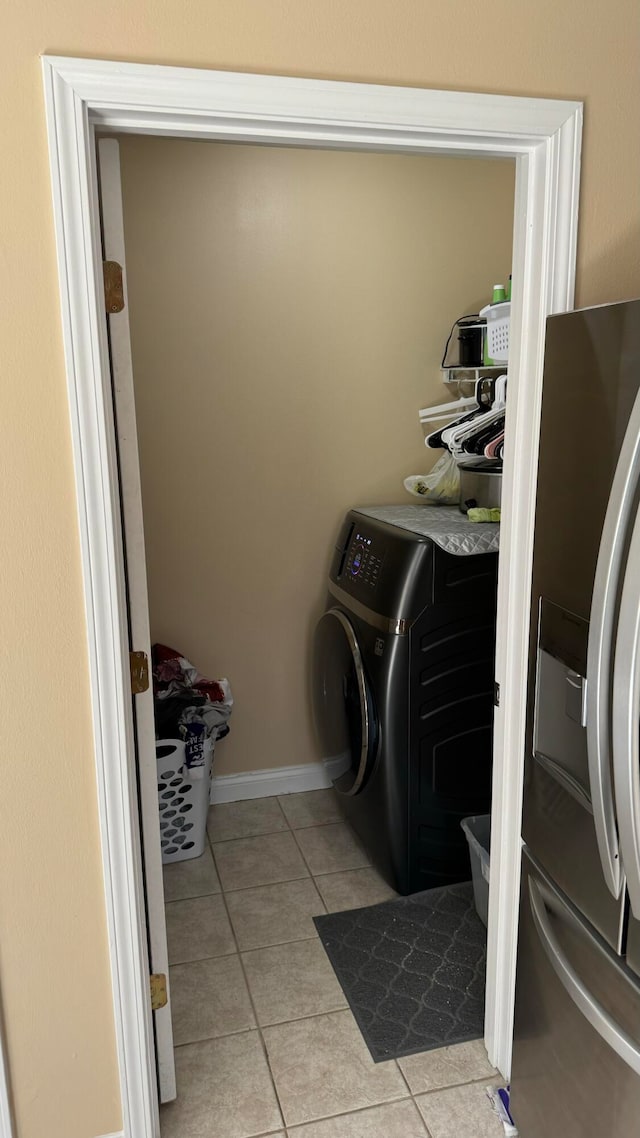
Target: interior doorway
289, 310
540, 264
311, 296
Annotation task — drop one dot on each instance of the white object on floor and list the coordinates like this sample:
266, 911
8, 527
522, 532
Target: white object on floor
183, 801
498, 1107
266, 784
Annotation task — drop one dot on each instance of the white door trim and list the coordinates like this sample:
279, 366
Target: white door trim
6, 1113
545, 137
113, 248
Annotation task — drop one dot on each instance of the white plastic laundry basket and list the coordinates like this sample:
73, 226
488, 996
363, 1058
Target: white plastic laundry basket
478, 834
183, 801
498, 317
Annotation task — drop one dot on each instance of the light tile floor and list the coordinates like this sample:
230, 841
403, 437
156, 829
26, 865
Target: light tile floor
265, 1042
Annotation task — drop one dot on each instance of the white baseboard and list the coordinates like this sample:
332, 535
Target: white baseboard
119, 1134
265, 784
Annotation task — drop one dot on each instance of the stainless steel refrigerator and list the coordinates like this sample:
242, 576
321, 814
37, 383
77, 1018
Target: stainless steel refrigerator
576, 1062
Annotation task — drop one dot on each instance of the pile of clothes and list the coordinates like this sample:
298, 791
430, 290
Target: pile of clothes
188, 706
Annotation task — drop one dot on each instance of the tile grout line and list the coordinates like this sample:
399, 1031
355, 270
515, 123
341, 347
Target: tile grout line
321, 900
413, 1099
285, 881
404, 1077
255, 1014
329, 822
246, 888
259, 1027
420, 1115
329, 873
213, 1038
280, 808
284, 1022
281, 943
282, 830
273, 884
415, 1095
483, 1081
324, 826
195, 897
301, 851
411, 1096
249, 837
357, 1110
312, 876
264, 833
199, 959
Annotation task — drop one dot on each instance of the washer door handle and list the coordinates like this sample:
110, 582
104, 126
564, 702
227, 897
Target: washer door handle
361, 681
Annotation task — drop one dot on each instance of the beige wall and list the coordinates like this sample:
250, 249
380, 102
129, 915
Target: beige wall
53, 961
278, 380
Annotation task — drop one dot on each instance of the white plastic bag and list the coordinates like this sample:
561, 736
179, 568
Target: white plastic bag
441, 487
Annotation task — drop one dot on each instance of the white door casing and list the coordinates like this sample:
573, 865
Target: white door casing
6, 1112
544, 136
111, 211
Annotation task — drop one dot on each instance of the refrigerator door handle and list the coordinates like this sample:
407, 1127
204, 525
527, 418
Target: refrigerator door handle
626, 722
566, 780
600, 651
593, 1011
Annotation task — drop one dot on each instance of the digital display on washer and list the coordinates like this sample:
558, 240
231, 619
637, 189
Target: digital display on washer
365, 559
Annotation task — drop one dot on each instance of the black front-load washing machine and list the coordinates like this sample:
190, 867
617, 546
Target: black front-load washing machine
403, 695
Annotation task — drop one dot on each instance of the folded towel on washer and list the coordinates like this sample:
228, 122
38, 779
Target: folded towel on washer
481, 514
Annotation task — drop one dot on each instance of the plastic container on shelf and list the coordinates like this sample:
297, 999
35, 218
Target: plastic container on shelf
477, 830
183, 800
498, 317
470, 333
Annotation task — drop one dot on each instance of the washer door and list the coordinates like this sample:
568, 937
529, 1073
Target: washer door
343, 705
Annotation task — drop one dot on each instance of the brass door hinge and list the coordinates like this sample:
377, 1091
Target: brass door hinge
158, 986
113, 286
139, 667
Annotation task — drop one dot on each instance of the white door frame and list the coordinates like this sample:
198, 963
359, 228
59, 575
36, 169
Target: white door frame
544, 136
6, 1112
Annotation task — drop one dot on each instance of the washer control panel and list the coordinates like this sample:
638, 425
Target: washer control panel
364, 558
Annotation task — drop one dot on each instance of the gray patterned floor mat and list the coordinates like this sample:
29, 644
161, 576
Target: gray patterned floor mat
412, 970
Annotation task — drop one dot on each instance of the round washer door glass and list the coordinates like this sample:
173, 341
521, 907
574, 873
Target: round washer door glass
343, 706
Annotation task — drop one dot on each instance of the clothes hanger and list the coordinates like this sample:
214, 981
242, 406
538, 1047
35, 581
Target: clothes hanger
436, 439
484, 388
469, 431
490, 450
446, 410
477, 443
482, 397
489, 396
457, 435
